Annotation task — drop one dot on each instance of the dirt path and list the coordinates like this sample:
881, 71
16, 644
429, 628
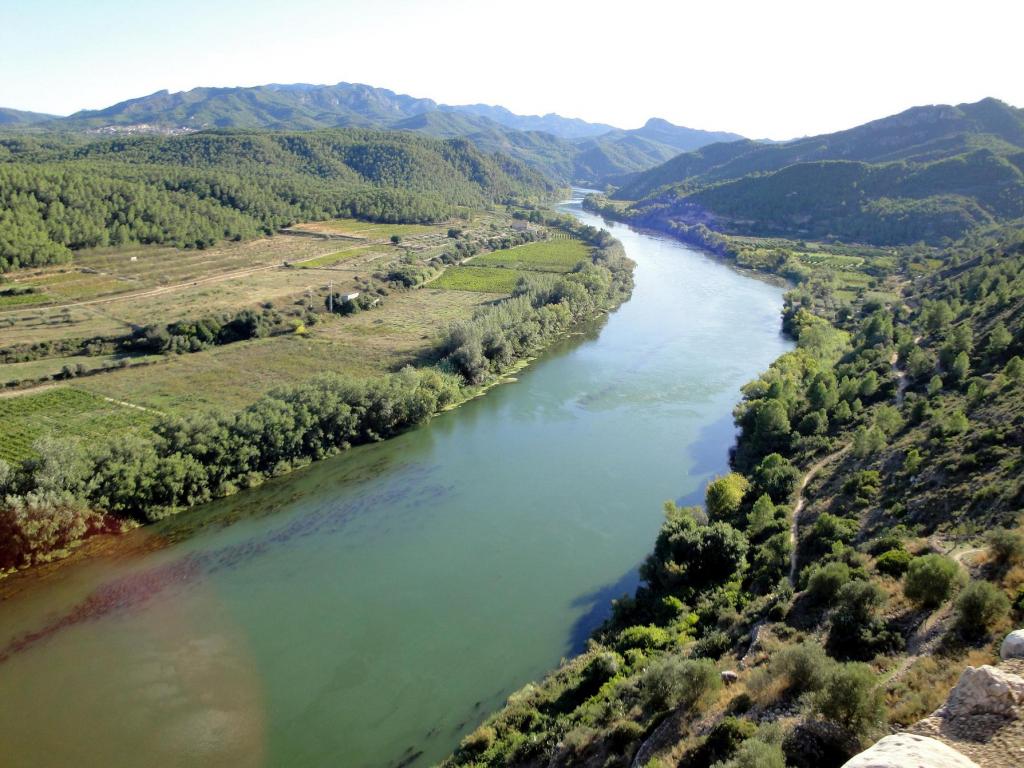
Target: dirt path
794, 526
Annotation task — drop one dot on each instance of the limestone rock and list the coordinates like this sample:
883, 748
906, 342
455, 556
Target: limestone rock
984, 690
908, 750
1013, 646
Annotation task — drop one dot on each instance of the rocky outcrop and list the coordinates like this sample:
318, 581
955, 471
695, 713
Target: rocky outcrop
908, 750
1013, 646
984, 690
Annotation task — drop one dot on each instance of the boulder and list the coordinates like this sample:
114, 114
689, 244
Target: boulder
729, 677
908, 750
1013, 646
984, 690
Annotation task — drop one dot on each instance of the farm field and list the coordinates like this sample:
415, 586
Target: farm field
543, 256
480, 279
232, 376
36, 369
65, 411
113, 292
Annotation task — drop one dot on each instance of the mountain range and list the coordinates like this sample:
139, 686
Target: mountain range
928, 173
567, 149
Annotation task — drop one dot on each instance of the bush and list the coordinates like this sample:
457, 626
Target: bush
930, 580
672, 682
826, 581
712, 645
754, 753
979, 608
1006, 547
856, 631
804, 667
646, 638
893, 563
851, 698
722, 742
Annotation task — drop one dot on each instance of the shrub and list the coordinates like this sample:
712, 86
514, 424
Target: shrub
646, 638
754, 753
712, 645
856, 631
979, 608
722, 742
851, 698
804, 667
1006, 546
830, 529
672, 682
826, 581
930, 580
893, 563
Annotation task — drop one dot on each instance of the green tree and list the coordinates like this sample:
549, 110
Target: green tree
930, 580
979, 608
724, 495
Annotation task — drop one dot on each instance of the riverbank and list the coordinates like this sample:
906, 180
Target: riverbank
153, 475
781, 621
388, 597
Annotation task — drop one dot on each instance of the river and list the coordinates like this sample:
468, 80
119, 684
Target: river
370, 610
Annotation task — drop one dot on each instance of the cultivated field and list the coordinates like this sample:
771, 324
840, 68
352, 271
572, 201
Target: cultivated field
544, 256
115, 291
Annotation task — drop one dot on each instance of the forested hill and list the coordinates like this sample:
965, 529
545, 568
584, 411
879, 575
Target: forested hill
925, 174
58, 194
566, 149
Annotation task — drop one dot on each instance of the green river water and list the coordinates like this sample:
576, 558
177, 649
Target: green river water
372, 609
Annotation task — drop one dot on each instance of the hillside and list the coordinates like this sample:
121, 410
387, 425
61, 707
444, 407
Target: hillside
196, 189
930, 173
10, 117
867, 547
565, 149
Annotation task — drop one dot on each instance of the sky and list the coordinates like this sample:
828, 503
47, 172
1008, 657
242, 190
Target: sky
762, 69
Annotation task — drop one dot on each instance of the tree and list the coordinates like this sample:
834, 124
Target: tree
867, 441
999, 339
724, 496
935, 385
979, 608
930, 580
960, 368
852, 699
776, 476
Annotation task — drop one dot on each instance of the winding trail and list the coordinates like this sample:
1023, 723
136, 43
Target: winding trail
801, 501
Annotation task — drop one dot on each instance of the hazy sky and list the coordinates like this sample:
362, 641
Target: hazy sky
763, 69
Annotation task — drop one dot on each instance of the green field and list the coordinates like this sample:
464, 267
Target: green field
483, 279
64, 411
545, 256
334, 258
831, 260
23, 300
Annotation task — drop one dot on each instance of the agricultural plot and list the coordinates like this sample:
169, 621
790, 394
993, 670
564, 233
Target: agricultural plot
481, 279
23, 300
544, 256
370, 230
63, 411
331, 259
835, 261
